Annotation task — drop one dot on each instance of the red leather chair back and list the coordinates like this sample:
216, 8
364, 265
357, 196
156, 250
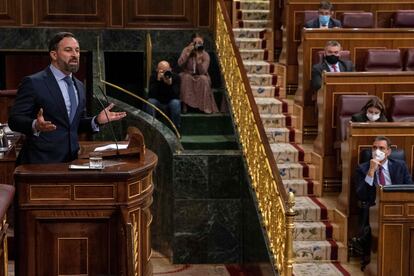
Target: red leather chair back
403, 19
383, 60
357, 20
401, 108
409, 60
309, 15
348, 105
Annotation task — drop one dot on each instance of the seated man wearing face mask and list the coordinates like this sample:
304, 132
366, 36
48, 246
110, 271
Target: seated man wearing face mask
373, 111
331, 63
324, 19
380, 170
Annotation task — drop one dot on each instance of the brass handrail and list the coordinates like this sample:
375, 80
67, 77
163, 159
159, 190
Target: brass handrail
276, 208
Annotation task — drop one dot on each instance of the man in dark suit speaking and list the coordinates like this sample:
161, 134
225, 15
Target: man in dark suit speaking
381, 171
50, 107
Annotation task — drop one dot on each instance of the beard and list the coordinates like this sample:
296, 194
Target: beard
68, 66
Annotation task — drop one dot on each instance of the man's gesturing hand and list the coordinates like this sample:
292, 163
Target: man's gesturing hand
112, 116
42, 125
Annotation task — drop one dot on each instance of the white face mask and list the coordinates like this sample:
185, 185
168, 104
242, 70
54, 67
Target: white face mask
372, 116
378, 155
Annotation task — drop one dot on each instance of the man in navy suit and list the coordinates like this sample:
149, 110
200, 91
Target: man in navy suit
381, 171
331, 62
50, 107
324, 20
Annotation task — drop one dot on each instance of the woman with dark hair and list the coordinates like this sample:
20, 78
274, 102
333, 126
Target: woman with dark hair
195, 80
373, 111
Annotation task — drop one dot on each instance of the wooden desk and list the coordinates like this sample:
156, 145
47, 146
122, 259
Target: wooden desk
357, 41
76, 222
381, 84
360, 137
382, 10
392, 226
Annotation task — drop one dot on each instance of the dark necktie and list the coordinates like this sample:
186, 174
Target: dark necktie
381, 178
335, 69
72, 97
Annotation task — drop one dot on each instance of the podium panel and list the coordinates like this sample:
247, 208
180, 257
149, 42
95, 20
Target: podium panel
85, 222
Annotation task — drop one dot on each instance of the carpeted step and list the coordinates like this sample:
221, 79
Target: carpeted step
300, 187
252, 24
254, 54
258, 67
253, 14
296, 170
319, 269
287, 152
262, 79
316, 250
251, 43
269, 105
252, 5
283, 135
313, 231
263, 91
249, 32
273, 120
209, 142
310, 209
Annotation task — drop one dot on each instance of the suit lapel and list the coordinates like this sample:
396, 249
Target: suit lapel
391, 170
81, 98
55, 93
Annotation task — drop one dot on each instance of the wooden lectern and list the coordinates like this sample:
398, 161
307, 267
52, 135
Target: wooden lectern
392, 224
85, 222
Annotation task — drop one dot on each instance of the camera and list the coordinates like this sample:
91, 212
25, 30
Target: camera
198, 46
168, 74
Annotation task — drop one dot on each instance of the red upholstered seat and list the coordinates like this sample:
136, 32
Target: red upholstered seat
348, 105
403, 19
401, 108
357, 20
409, 60
6, 198
309, 15
383, 60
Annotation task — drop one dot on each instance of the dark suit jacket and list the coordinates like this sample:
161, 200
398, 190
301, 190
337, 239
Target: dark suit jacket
314, 23
41, 90
317, 69
398, 172
362, 118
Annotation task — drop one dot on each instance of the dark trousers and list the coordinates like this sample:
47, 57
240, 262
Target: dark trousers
172, 109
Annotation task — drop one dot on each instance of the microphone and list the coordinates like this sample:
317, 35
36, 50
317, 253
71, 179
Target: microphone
109, 122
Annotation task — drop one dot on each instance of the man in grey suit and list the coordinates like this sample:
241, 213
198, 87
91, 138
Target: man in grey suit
50, 107
331, 63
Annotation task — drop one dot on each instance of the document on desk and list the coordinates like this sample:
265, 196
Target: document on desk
111, 147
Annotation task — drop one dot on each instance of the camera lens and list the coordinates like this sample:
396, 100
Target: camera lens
168, 74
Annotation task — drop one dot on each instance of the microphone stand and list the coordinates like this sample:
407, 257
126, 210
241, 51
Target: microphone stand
107, 117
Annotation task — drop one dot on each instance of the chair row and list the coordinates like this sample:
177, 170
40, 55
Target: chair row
399, 110
400, 19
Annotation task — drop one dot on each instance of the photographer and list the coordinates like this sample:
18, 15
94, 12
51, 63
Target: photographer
164, 92
195, 82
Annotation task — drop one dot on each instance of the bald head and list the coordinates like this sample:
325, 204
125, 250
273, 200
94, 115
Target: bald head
163, 66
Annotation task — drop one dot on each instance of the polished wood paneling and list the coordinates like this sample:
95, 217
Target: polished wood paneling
8, 13
392, 242
360, 137
383, 85
67, 226
294, 9
168, 13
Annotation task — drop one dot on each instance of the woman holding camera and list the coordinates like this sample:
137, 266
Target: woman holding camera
195, 82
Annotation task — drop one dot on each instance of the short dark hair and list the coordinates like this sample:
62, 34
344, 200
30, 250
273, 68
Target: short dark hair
54, 41
374, 102
325, 5
194, 35
383, 138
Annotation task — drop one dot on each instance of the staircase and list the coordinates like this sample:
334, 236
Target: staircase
316, 249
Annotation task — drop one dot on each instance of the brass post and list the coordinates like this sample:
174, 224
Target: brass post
290, 227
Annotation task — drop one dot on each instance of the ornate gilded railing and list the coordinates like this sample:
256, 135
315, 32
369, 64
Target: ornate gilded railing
276, 208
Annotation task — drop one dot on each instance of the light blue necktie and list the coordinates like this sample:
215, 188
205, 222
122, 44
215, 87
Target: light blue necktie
72, 97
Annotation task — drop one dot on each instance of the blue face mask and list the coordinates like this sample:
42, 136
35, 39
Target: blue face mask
324, 19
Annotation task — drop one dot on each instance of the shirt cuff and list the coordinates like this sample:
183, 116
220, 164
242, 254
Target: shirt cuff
35, 131
369, 180
94, 125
